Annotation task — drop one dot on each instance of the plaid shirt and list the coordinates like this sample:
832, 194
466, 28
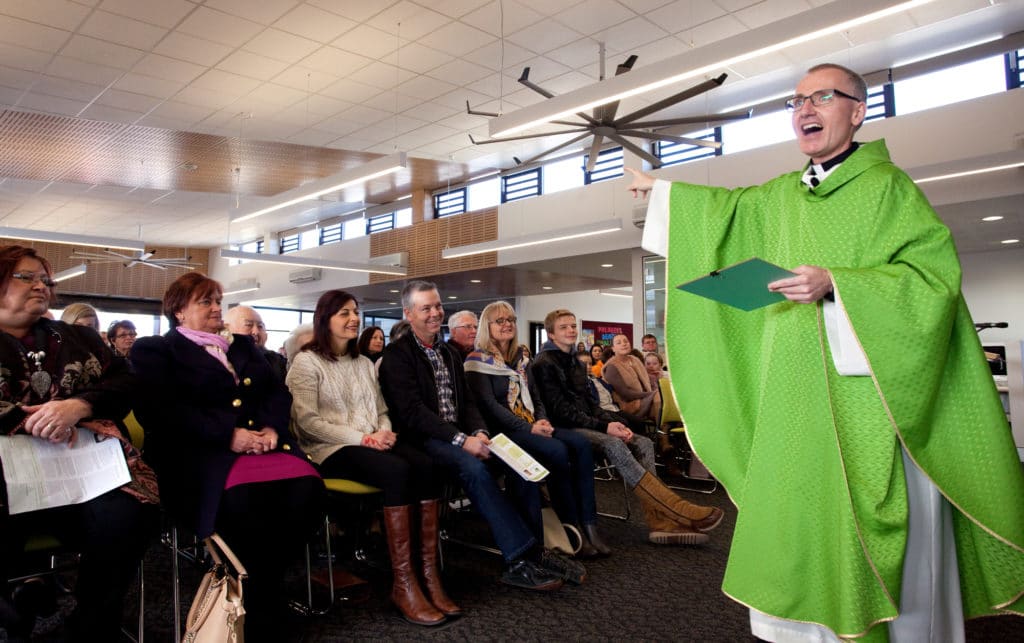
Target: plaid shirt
445, 388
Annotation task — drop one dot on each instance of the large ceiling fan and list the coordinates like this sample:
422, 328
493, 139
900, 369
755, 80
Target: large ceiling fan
140, 258
603, 123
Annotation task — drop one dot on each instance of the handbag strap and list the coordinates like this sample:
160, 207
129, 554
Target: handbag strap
215, 542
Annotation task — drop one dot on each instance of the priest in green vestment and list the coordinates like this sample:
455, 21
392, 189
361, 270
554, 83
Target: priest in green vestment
861, 438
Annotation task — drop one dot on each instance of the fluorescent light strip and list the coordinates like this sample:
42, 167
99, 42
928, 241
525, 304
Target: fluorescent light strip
242, 286
834, 17
956, 175
74, 271
311, 263
366, 172
615, 293
590, 229
71, 239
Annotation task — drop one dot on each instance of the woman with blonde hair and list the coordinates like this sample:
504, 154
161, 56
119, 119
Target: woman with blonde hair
79, 314
497, 373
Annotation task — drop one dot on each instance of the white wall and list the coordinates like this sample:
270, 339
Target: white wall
588, 305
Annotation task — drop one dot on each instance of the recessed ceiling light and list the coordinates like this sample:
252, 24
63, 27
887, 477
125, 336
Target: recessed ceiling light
393, 290
607, 265
392, 303
1009, 241
452, 297
474, 281
546, 287
994, 217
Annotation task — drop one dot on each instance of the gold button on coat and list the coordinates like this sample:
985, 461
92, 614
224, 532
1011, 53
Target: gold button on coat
236, 402
251, 422
247, 381
287, 447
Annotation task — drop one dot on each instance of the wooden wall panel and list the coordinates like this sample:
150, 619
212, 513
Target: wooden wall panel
425, 240
113, 279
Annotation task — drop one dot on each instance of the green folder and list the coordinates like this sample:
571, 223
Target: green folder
743, 285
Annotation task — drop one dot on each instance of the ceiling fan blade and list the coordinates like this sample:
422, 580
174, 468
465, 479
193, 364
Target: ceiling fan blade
736, 115
478, 113
660, 136
524, 79
145, 255
595, 151
555, 149
657, 106
606, 113
525, 136
636, 149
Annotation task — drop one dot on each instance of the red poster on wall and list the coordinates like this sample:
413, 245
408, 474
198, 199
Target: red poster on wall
603, 332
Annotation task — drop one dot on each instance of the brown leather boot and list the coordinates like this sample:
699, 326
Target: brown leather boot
405, 590
429, 511
698, 517
665, 531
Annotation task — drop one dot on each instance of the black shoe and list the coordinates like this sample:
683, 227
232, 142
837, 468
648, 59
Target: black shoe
528, 575
565, 568
587, 551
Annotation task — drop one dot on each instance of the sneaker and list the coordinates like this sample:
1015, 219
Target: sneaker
565, 568
528, 575
681, 536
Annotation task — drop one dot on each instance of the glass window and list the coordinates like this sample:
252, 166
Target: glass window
309, 238
330, 234
450, 202
289, 243
563, 175
608, 166
672, 153
759, 131
403, 218
485, 194
280, 322
951, 85
520, 186
380, 223
355, 228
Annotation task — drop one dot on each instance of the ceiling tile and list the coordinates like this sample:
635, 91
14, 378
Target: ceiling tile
312, 137
736, 5
335, 61
432, 112
425, 87
24, 58
550, 7
544, 36
684, 14
9, 96
51, 104
339, 126
319, 106
456, 39
128, 100
218, 80
169, 68
121, 30
460, 72
645, 6
165, 13
277, 95
543, 68
584, 51
281, 45
208, 98
28, 34
305, 80
489, 17
147, 85
367, 41
391, 102
66, 88
497, 55
252, 65
350, 90
195, 50
358, 11
263, 11
463, 122
408, 20
16, 78
364, 115
457, 99
316, 24
381, 75
417, 58
101, 52
762, 13
595, 16
56, 13
712, 31
632, 33
99, 112
220, 27
75, 69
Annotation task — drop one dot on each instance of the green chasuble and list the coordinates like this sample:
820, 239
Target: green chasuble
812, 458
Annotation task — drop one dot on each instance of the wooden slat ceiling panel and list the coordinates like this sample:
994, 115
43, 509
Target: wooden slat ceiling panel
425, 241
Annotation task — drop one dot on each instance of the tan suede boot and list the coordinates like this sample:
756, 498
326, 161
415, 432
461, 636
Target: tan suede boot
665, 531
697, 517
429, 513
405, 591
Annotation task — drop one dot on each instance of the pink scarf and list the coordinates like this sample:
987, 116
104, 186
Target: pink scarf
215, 345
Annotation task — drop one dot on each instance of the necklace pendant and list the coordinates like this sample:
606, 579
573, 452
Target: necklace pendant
41, 381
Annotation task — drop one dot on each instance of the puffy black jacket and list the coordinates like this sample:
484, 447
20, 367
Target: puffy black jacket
561, 381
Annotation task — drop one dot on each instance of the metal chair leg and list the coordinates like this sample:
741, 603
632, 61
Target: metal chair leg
175, 580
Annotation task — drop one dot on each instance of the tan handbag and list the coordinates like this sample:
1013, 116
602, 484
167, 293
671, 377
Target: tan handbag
217, 614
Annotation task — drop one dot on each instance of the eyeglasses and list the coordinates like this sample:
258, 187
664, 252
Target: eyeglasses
31, 278
501, 321
123, 335
818, 98
469, 326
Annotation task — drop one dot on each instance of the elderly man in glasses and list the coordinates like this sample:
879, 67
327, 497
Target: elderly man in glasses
860, 436
244, 320
462, 327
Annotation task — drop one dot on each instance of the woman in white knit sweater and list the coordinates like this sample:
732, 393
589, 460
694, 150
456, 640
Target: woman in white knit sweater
339, 416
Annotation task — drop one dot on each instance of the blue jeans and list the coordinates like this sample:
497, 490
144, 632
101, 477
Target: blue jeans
570, 459
508, 528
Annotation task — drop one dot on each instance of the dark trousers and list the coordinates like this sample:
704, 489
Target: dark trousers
405, 474
570, 459
266, 524
509, 529
112, 533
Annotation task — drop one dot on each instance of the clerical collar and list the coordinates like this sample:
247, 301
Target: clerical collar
818, 172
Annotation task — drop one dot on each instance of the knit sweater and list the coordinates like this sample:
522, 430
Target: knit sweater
334, 404
631, 386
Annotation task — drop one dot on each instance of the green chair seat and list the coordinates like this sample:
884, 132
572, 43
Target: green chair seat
343, 485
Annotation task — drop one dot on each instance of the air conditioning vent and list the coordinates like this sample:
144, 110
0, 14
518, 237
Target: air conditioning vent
639, 215
305, 275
